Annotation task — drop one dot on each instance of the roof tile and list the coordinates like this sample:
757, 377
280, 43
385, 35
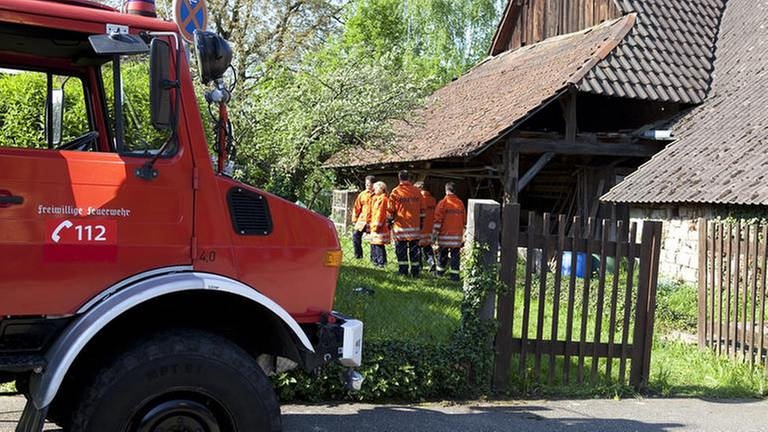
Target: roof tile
464, 116
673, 40
721, 152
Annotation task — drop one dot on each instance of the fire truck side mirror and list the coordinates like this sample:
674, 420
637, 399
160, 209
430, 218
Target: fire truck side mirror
160, 84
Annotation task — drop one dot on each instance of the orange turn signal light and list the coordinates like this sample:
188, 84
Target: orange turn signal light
333, 258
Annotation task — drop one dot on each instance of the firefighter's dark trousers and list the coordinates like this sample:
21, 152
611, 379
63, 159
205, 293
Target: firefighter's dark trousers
455, 260
408, 253
379, 255
357, 243
428, 253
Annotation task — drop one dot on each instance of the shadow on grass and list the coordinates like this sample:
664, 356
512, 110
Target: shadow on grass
522, 418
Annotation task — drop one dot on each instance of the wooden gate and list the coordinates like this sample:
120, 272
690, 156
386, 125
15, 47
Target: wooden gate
592, 321
732, 290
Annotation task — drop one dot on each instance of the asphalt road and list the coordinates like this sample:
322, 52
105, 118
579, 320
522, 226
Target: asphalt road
636, 415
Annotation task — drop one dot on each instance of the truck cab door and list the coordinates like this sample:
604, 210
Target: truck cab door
75, 218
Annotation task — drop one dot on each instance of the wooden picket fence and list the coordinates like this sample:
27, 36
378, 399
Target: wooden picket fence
732, 290
569, 329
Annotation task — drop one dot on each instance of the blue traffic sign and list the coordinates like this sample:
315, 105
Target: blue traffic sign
190, 15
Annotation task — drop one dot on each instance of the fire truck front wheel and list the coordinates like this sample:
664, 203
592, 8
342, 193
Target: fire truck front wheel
181, 380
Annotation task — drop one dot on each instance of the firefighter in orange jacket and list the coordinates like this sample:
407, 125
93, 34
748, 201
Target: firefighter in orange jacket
450, 219
427, 252
361, 215
405, 210
379, 236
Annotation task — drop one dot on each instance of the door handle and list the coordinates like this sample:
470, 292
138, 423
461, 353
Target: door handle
7, 200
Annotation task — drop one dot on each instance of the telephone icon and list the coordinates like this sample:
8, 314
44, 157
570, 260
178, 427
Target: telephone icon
56, 237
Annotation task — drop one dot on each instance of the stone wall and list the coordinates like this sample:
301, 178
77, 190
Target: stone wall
679, 258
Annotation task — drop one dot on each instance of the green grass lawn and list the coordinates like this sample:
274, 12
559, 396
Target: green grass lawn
427, 309
682, 369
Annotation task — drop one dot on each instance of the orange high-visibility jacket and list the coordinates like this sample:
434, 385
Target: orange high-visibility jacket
429, 218
450, 219
405, 208
361, 212
379, 234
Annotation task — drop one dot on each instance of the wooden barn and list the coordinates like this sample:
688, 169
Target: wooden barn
572, 98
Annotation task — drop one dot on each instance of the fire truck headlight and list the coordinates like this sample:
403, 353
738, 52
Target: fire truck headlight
214, 55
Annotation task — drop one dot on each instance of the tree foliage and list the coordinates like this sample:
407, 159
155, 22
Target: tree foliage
374, 67
295, 119
267, 33
318, 76
439, 38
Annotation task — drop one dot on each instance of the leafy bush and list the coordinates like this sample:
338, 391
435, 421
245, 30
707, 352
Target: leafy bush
22, 110
397, 370
414, 370
22, 107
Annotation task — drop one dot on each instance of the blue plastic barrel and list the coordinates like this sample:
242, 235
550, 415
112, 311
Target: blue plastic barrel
581, 264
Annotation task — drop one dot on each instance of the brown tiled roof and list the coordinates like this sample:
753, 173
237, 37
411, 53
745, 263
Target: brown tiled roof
666, 57
461, 118
721, 154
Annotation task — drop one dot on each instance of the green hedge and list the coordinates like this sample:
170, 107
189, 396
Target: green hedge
412, 371
397, 370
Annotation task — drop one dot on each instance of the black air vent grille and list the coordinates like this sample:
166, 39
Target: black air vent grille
250, 212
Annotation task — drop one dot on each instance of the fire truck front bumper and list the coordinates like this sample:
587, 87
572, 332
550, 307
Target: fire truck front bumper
339, 338
351, 353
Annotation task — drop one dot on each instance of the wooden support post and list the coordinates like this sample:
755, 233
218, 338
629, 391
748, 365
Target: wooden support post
509, 239
511, 173
483, 226
651, 313
571, 118
642, 342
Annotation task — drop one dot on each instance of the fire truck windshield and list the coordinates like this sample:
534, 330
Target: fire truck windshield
63, 96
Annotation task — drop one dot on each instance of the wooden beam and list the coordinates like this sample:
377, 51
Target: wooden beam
535, 169
587, 147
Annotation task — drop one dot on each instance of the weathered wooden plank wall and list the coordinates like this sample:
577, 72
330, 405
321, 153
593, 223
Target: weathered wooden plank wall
529, 21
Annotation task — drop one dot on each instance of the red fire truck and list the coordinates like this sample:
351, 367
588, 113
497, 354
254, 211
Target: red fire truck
142, 288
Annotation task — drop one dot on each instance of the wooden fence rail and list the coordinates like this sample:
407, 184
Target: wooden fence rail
732, 290
577, 328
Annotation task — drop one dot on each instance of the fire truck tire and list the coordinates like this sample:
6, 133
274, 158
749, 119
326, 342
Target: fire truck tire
179, 380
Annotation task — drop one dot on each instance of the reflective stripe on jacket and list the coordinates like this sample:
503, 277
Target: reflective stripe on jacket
450, 219
361, 212
379, 234
405, 208
429, 218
